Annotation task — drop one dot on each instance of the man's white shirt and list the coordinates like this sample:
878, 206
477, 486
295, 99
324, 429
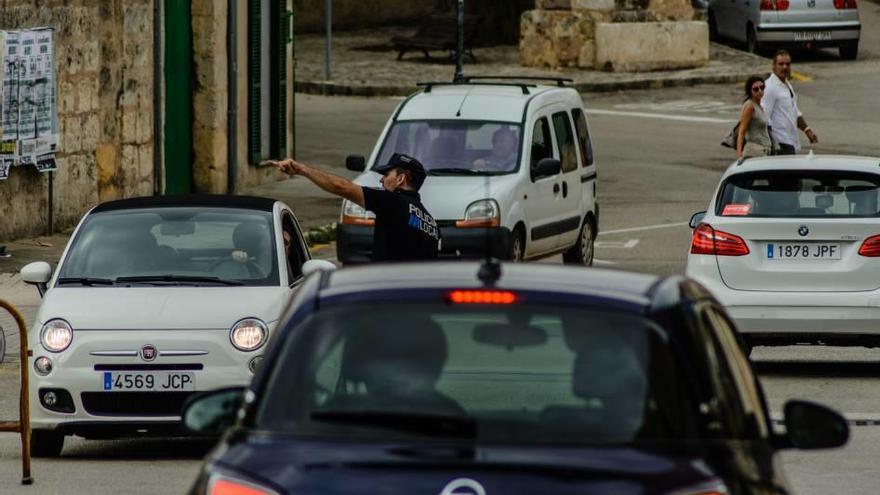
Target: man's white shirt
780, 105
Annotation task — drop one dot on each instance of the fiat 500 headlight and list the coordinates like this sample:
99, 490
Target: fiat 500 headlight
248, 334
56, 335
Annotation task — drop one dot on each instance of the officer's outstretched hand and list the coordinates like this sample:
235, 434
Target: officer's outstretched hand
289, 166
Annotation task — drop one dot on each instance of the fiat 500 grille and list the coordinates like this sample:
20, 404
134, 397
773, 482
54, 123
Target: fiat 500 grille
134, 403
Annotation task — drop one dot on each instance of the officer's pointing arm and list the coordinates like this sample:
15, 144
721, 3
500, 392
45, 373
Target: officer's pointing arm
331, 183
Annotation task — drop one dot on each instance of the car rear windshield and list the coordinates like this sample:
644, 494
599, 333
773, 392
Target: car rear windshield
800, 193
503, 374
456, 148
223, 243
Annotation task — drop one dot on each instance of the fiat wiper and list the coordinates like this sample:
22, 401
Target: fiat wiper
435, 425
193, 279
90, 281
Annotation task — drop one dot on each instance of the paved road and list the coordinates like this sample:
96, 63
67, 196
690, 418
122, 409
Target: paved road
659, 160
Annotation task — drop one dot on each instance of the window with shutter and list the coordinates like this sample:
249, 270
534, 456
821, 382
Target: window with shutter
254, 80
278, 107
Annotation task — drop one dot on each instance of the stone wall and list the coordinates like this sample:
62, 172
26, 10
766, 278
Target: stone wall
104, 90
613, 35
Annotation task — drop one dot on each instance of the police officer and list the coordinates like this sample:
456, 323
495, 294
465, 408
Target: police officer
404, 229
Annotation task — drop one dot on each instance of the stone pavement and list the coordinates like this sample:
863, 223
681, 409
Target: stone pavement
364, 64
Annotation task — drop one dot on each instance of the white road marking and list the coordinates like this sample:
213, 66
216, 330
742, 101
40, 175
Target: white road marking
618, 244
860, 419
648, 227
698, 106
664, 116
604, 263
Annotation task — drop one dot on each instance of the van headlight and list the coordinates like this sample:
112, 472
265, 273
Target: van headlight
482, 213
353, 214
248, 334
56, 335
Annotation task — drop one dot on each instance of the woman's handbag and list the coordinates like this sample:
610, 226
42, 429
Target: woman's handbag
729, 140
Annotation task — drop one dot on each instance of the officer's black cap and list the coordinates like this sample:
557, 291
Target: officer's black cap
399, 160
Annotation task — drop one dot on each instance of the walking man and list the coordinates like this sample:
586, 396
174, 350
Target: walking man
404, 230
780, 105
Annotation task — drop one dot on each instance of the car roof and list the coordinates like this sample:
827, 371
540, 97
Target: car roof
633, 288
487, 102
809, 161
197, 200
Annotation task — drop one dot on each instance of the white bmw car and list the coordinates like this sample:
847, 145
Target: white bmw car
790, 245
154, 299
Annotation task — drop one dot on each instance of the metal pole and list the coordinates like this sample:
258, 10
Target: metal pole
328, 55
459, 45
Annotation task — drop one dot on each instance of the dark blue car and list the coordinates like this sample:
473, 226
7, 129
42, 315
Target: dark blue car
455, 379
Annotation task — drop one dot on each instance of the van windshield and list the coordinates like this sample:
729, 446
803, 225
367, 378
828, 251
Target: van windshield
456, 148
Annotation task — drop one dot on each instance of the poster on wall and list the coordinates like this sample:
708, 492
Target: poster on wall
28, 110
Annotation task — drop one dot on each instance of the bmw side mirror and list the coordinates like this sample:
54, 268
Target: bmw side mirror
547, 167
811, 426
696, 219
355, 163
211, 413
37, 273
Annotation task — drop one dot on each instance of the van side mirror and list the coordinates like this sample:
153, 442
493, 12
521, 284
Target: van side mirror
547, 167
356, 163
696, 219
37, 273
811, 426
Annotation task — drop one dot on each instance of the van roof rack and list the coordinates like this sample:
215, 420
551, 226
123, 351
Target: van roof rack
560, 81
479, 81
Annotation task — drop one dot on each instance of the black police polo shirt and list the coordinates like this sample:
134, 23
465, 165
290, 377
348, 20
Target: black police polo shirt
404, 230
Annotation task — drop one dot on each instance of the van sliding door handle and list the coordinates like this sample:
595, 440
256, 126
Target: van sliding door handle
564, 189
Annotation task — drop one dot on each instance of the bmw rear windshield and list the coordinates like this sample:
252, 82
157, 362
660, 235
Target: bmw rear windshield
523, 374
800, 194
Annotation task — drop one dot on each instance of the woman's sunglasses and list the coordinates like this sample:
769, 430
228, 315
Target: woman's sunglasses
755, 89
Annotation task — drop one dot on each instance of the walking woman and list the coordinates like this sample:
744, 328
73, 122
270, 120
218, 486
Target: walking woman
753, 137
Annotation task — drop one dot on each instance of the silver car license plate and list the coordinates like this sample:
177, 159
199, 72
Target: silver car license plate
798, 251
812, 35
154, 381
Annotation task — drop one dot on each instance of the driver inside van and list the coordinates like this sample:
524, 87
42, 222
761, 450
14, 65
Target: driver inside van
503, 155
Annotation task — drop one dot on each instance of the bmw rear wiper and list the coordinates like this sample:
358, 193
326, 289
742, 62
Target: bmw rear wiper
84, 281
438, 425
178, 278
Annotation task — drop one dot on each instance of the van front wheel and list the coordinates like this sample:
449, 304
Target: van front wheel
582, 252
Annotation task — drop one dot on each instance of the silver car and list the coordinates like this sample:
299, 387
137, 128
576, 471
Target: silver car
788, 23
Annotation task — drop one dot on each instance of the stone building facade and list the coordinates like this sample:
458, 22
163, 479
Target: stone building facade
113, 93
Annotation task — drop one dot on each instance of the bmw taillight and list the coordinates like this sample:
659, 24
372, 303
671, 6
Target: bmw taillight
845, 4
221, 485
871, 247
707, 240
775, 4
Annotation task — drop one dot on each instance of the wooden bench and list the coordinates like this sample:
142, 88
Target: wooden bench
438, 32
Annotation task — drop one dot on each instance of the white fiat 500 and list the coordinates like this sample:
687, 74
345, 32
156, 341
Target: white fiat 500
790, 245
510, 170
153, 299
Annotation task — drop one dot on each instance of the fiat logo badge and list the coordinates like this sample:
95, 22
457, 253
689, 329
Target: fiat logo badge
803, 231
149, 352
463, 486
